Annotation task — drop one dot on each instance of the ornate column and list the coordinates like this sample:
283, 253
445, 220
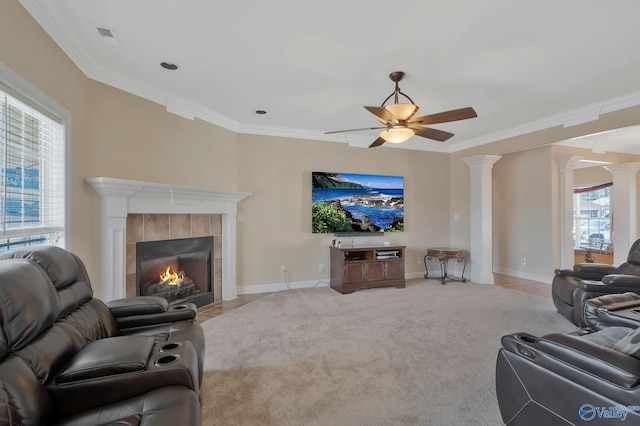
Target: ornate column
623, 208
481, 230
565, 171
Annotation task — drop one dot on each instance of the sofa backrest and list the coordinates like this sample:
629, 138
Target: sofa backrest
61, 267
30, 305
66, 271
634, 253
28, 311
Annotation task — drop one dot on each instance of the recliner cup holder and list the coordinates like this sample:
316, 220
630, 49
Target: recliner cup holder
166, 360
177, 307
170, 346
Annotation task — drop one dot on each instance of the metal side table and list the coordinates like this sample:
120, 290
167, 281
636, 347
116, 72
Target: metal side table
444, 255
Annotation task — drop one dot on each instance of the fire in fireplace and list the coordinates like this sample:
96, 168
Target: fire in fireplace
179, 270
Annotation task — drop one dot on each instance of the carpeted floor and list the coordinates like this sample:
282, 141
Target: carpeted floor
422, 355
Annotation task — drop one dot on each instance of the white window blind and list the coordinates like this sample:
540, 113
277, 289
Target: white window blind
32, 172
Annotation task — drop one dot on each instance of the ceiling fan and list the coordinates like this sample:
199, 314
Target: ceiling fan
400, 121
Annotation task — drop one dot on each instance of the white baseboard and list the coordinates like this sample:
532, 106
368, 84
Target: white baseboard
526, 275
271, 288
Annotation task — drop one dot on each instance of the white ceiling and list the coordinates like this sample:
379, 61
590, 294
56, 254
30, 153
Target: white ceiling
523, 66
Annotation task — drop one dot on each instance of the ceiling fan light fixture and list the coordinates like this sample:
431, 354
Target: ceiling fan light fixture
400, 122
397, 134
402, 112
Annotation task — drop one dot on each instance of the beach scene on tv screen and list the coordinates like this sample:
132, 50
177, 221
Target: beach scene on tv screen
349, 202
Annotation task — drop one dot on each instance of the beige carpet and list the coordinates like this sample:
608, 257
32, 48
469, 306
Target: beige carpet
422, 355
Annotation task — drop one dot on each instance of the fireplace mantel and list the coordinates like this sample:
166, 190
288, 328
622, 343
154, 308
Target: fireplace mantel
119, 197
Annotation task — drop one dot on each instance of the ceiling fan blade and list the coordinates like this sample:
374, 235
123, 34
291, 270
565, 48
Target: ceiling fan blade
355, 130
445, 117
377, 142
435, 134
383, 114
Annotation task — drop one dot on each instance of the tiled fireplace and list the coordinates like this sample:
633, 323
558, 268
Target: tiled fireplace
170, 245
135, 211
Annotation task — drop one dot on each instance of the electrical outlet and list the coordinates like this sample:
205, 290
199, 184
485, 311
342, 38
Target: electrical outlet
418, 260
523, 262
321, 268
283, 269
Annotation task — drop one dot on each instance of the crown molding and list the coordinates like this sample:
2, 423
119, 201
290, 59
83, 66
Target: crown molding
58, 37
190, 110
569, 118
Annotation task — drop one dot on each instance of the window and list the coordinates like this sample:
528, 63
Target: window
32, 174
593, 225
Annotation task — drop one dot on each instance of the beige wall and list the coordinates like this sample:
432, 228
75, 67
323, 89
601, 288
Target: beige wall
40, 61
523, 212
113, 133
276, 229
116, 134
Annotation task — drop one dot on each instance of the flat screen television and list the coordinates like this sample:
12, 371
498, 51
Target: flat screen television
354, 203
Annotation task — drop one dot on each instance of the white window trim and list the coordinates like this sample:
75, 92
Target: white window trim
20, 88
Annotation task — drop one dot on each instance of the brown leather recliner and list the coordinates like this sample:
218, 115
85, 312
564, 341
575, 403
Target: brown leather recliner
570, 288
66, 358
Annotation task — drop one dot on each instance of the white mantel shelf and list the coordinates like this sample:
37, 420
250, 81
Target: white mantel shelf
120, 197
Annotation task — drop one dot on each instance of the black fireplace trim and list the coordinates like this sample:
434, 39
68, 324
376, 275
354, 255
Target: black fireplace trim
146, 250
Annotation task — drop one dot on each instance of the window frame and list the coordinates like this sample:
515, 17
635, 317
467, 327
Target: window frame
578, 218
19, 88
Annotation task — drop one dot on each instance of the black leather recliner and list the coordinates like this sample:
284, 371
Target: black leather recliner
67, 358
570, 288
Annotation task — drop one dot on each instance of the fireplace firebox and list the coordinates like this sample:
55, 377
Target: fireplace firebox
179, 270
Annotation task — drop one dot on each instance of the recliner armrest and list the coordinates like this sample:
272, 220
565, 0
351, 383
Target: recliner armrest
591, 286
143, 311
613, 283
184, 312
137, 306
116, 368
108, 357
594, 268
571, 356
587, 271
621, 280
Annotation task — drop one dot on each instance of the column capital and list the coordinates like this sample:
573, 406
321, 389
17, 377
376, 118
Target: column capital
481, 160
567, 162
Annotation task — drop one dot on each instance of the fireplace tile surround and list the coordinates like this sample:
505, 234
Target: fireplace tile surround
157, 227
136, 209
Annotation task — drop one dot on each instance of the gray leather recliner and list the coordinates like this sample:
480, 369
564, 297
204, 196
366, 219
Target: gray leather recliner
566, 379
570, 288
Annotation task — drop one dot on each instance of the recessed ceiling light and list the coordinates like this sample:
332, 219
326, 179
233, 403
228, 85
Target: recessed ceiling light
261, 111
169, 66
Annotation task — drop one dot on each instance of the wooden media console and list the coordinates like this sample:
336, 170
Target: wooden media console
355, 268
